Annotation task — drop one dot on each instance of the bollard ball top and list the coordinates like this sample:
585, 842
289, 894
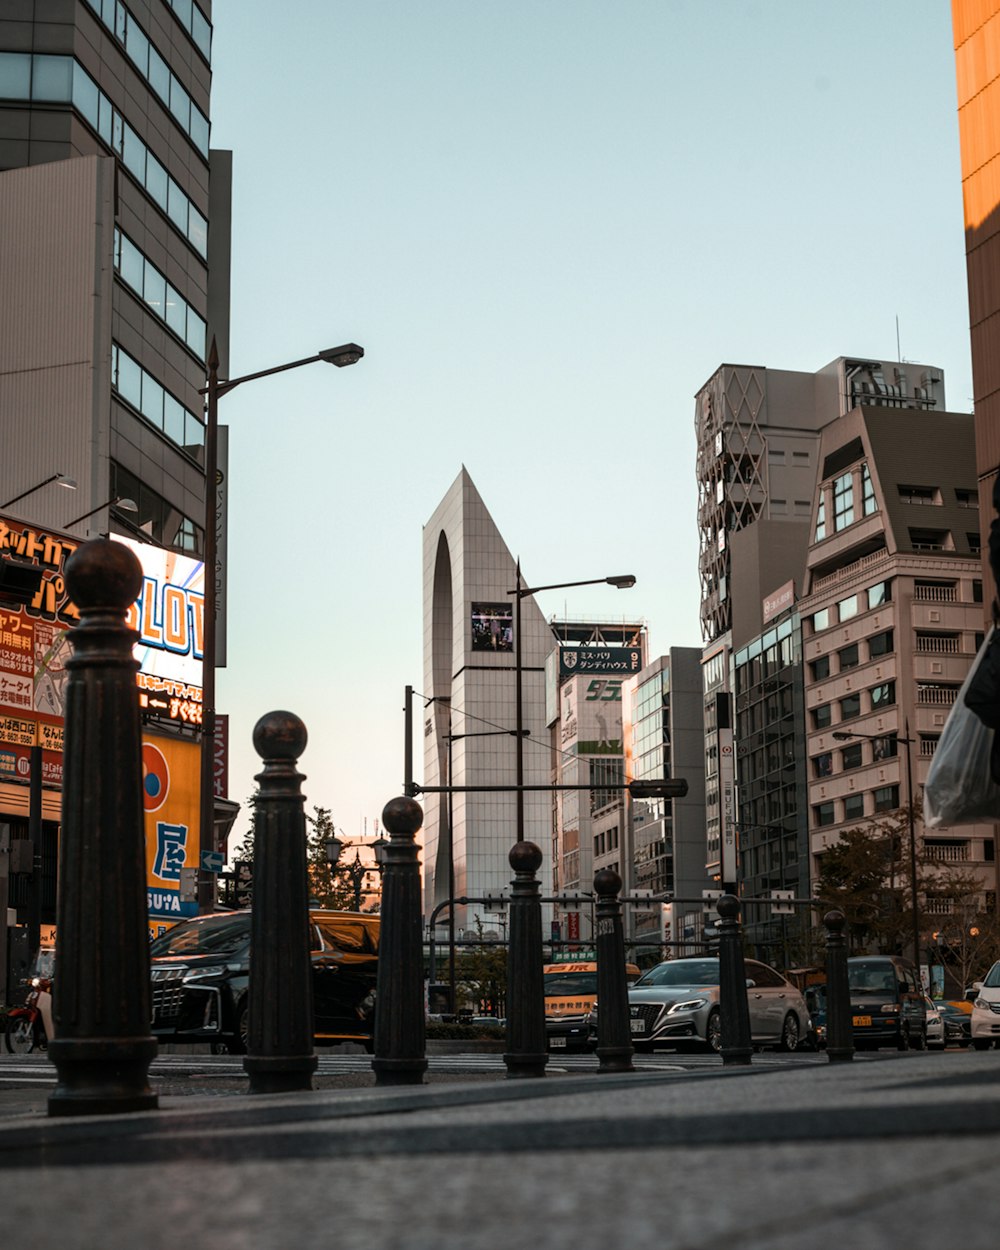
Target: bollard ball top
728, 906
402, 815
607, 883
279, 736
525, 857
103, 574
835, 920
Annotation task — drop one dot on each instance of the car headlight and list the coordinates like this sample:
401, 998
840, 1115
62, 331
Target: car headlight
982, 1003
199, 974
889, 1009
689, 1004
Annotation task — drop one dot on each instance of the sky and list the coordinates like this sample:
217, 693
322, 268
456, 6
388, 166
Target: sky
547, 222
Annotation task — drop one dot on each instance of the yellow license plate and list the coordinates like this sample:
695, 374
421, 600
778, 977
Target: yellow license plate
862, 1022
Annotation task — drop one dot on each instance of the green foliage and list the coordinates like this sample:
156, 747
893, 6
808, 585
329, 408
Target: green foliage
344, 887
460, 1032
481, 975
856, 877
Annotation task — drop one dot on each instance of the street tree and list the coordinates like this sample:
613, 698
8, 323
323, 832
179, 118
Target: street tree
481, 975
343, 886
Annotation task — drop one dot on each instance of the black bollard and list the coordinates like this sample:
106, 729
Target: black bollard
839, 1022
400, 1034
526, 1053
280, 1056
102, 1001
733, 1006
614, 1028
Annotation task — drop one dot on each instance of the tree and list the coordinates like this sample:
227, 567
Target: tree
965, 939
481, 975
342, 887
238, 891
856, 877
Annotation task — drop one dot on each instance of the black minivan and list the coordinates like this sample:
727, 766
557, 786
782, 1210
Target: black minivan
200, 972
887, 1003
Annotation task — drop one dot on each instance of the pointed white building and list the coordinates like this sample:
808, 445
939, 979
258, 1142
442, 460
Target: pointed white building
470, 689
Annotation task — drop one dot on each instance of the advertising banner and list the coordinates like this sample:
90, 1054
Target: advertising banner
171, 776
611, 661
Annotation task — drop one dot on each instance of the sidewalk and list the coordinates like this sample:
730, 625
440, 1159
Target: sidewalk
887, 1151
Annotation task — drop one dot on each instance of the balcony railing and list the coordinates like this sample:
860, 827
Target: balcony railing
935, 594
947, 854
937, 696
928, 644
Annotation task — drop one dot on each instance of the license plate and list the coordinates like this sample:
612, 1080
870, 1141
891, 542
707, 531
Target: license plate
862, 1022
638, 1026
557, 1041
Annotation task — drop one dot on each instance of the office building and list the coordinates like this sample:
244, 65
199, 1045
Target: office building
114, 275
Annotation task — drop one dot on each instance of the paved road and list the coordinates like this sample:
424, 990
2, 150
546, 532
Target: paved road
892, 1150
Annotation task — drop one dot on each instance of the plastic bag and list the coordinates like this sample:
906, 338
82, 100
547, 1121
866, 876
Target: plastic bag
959, 789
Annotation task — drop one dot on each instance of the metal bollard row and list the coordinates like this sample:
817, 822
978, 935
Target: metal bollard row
614, 1028
733, 1007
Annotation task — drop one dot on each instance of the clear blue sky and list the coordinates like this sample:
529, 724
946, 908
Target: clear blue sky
548, 223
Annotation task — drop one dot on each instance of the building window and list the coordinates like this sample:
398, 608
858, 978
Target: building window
848, 607
821, 620
850, 757
820, 519
880, 644
146, 281
850, 706
919, 494
820, 669
854, 807
843, 501
821, 716
966, 498
878, 594
156, 517
886, 798
848, 657
883, 695
931, 540
823, 814
823, 765
868, 505
142, 392
975, 542
884, 748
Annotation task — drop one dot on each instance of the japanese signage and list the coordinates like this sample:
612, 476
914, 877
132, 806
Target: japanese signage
782, 599
616, 661
170, 785
168, 616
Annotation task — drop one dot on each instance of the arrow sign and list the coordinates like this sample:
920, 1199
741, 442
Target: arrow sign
212, 861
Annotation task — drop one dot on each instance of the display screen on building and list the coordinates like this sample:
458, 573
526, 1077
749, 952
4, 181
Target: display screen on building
492, 627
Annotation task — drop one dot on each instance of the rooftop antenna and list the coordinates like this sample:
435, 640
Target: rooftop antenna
898, 354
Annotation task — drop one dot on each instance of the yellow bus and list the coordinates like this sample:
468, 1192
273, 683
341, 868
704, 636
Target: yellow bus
570, 990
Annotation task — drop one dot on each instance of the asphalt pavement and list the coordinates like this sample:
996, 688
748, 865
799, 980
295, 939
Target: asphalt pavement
891, 1150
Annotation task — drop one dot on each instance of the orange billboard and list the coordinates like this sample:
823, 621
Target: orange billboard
171, 779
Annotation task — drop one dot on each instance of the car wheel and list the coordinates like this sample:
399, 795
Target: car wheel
903, 1040
643, 1048
237, 1045
790, 1034
981, 1043
918, 1040
713, 1030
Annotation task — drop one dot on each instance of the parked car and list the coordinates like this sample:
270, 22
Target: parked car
935, 1032
887, 1003
200, 972
957, 1015
985, 1019
677, 1003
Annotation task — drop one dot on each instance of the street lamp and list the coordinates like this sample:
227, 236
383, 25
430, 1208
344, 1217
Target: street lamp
61, 478
914, 905
356, 872
116, 501
347, 354
622, 582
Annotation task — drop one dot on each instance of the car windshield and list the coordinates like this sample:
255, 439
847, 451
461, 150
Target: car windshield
559, 983
682, 972
874, 978
992, 979
221, 934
